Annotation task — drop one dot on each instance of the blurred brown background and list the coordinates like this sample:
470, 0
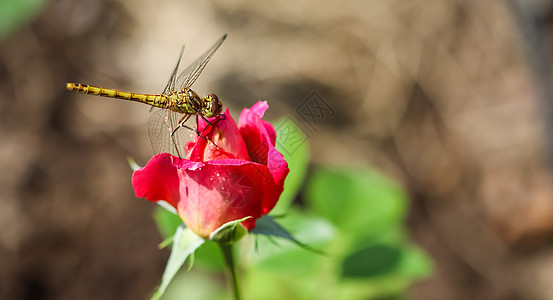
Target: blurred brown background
452, 98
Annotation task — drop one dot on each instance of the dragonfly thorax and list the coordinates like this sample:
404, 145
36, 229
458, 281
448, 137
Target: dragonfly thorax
185, 101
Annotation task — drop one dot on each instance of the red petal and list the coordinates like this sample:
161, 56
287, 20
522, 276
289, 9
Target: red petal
158, 180
258, 134
222, 191
226, 141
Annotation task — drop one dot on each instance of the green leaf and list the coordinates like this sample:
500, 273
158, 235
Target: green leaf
372, 261
355, 215
185, 242
416, 263
230, 232
276, 254
292, 142
208, 256
266, 225
356, 200
278, 285
16, 13
167, 222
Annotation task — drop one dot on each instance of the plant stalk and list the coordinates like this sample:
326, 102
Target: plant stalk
231, 266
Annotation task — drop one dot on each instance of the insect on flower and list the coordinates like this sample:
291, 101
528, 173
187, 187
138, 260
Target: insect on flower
174, 108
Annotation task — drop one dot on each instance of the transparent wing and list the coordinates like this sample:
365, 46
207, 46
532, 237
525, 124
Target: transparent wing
171, 83
161, 125
191, 73
163, 122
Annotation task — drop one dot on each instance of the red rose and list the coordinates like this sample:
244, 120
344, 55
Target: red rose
242, 176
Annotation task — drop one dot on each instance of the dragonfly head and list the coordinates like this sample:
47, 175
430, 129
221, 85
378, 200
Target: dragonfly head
212, 106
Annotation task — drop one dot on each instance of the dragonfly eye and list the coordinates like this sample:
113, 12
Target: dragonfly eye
213, 106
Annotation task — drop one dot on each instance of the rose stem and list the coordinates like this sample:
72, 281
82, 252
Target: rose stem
229, 260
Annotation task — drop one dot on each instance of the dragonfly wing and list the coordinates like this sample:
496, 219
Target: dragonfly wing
158, 130
171, 83
169, 133
191, 73
164, 138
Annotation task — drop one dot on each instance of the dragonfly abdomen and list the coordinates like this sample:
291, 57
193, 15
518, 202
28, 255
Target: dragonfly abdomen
157, 100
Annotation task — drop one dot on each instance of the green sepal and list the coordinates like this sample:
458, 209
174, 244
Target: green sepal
132, 163
185, 242
266, 225
166, 242
230, 232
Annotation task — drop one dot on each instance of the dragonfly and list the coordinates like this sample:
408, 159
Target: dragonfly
175, 108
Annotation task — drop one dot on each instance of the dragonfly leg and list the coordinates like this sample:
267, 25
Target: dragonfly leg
219, 118
176, 148
175, 144
200, 135
182, 124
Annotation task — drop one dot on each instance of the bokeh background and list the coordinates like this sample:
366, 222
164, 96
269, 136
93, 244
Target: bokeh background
451, 99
